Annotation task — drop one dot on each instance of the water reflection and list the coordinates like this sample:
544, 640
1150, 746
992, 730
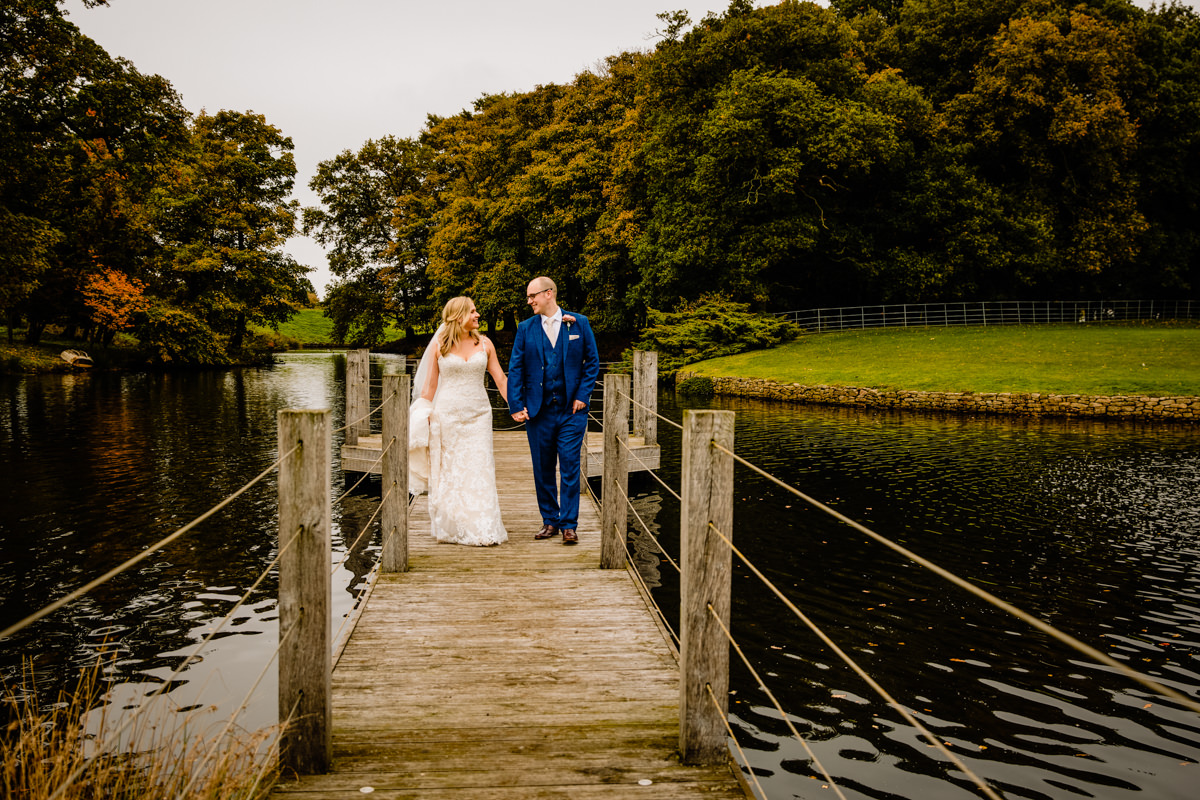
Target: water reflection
1091, 525
94, 468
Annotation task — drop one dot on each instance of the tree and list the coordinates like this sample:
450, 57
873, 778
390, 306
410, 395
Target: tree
226, 214
374, 215
1167, 165
1049, 124
81, 138
757, 143
114, 300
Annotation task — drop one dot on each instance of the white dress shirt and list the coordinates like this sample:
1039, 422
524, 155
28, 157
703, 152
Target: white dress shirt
551, 325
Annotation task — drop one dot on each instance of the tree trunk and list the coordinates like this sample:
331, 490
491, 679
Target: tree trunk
239, 333
33, 334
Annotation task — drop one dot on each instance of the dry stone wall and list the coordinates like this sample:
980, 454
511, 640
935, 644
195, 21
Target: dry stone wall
1180, 409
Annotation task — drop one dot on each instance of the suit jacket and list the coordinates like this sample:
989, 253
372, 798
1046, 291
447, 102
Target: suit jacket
581, 363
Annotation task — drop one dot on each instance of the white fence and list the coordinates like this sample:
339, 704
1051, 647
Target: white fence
1002, 312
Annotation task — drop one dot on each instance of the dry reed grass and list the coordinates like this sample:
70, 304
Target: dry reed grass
45, 744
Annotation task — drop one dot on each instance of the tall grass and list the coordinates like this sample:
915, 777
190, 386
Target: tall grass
45, 743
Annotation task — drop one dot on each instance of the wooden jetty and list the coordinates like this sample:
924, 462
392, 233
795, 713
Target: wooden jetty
360, 452
363, 456
516, 671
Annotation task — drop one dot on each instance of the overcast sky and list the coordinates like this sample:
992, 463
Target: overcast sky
332, 74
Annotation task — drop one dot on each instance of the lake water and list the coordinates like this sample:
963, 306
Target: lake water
1092, 526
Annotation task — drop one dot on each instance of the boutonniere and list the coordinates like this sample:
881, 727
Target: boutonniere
568, 320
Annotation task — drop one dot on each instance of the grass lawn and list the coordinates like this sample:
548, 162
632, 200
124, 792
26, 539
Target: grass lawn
1153, 358
311, 326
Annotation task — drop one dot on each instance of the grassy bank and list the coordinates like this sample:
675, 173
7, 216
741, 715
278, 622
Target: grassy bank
310, 327
1153, 358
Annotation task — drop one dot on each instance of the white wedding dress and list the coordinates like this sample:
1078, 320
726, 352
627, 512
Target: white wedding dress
463, 505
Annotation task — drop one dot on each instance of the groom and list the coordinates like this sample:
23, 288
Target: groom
551, 373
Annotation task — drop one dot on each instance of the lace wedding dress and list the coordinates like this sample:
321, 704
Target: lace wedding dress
463, 505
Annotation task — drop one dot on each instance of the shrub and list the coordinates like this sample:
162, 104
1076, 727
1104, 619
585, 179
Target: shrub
710, 327
172, 336
695, 386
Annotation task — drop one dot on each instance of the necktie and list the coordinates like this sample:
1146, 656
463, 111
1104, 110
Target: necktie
552, 331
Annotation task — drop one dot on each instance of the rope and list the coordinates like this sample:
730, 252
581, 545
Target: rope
983, 594
142, 556
104, 746
374, 576
368, 415
651, 410
646, 528
908, 717
741, 752
363, 532
770, 695
367, 471
652, 473
650, 596
196, 770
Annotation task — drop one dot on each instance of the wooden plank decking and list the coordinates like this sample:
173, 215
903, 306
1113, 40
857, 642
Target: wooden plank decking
517, 671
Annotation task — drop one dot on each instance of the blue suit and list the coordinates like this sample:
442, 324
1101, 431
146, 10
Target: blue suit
545, 381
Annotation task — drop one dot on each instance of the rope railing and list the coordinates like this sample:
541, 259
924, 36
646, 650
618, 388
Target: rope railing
934, 741
197, 770
646, 529
372, 577
367, 472
775, 702
982, 594
115, 736
741, 753
854, 665
366, 416
697, 743
50, 608
645, 468
365, 529
670, 422
662, 617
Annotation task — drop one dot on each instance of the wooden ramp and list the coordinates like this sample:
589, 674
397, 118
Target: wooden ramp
516, 671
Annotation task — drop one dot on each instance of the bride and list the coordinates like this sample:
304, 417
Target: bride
450, 434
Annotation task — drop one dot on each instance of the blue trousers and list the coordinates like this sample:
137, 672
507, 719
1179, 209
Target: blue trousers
555, 438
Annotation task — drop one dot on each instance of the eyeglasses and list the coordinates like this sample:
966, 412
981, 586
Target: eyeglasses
535, 294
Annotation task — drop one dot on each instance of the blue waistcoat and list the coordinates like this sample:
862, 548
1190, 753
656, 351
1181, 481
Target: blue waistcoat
554, 377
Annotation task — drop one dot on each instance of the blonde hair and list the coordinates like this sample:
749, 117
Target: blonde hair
454, 316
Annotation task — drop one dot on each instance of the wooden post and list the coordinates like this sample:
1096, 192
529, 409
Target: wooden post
645, 392
358, 394
305, 659
703, 647
394, 514
615, 481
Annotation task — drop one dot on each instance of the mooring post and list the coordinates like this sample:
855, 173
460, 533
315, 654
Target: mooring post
615, 481
707, 507
305, 657
645, 393
394, 513
358, 394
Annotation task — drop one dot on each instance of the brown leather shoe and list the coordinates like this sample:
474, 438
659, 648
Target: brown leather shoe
547, 532
569, 536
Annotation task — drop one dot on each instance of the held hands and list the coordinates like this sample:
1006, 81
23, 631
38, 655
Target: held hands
523, 414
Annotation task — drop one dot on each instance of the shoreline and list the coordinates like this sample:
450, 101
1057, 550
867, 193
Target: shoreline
1174, 408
